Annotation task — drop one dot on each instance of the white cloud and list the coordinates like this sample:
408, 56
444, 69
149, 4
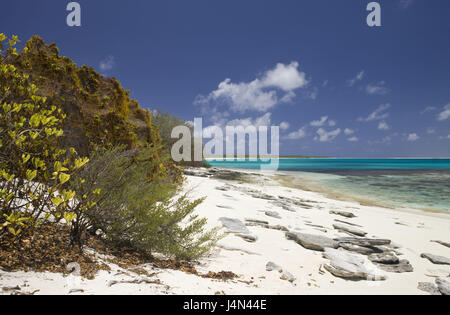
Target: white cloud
262, 93
379, 114
107, 63
353, 139
377, 88
331, 123
428, 109
348, 131
431, 131
445, 114
357, 78
284, 125
301, 133
319, 123
405, 4
264, 120
413, 137
383, 125
325, 136
448, 137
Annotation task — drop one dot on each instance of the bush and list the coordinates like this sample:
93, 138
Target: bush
33, 171
135, 210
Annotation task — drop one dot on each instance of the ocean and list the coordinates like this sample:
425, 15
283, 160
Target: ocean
410, 183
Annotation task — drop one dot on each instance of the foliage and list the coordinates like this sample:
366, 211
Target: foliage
165, 123
34, 171
136, 211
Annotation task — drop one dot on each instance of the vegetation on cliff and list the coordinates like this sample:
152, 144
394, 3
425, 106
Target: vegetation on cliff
121, 182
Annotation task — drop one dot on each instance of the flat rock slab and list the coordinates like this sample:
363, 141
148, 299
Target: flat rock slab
437, 260
349, 229
384, 258
443, 285
234, 226
359, 249
402, 267
351, 266
273, 214
442, 243
312, 242
285, 275
429, 288
343, 214
363, 241
248, 238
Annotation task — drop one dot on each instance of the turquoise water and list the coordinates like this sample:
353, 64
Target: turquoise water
412, 183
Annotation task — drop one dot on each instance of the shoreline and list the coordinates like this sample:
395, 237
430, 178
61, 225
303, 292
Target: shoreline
260, 220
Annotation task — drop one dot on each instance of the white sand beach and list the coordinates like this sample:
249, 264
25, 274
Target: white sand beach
257, 216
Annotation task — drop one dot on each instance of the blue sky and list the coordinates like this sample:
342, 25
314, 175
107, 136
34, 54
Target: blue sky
336, 86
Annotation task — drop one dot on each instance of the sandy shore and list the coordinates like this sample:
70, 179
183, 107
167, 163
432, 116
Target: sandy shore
257, 212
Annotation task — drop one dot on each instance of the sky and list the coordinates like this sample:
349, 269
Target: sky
334, 85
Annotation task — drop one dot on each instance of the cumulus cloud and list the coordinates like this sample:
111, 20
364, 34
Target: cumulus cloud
107, 64
348, 131
264, 120
326, 136
383, 125
295, 135
284, 125
357, 78
378, 88
272, 88
353, 139
413, 137
319, 123
379, 114
405, 4
445, 114
428, 109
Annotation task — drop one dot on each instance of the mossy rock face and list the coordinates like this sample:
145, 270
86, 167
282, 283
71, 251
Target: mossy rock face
86, 97
99, 110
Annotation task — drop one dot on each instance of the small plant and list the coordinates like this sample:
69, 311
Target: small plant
135, 210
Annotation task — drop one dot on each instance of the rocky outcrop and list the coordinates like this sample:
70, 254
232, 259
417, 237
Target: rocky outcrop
349, 229
312, 242
273, 214
343, 214
285, 275
384, 258
443, 285
402, 266
429, 288
234, 226
437, 260
442, 243
351, 266
363, 241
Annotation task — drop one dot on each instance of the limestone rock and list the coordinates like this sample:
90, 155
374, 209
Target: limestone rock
442, 243
429, 288
349, 229
437, 260
351, 266
401, 267
343, 214
234, 225
384, 258
273, 214
312, 242
443, 285
363, 241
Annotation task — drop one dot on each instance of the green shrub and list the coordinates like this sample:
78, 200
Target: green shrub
135, 210
34, 171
